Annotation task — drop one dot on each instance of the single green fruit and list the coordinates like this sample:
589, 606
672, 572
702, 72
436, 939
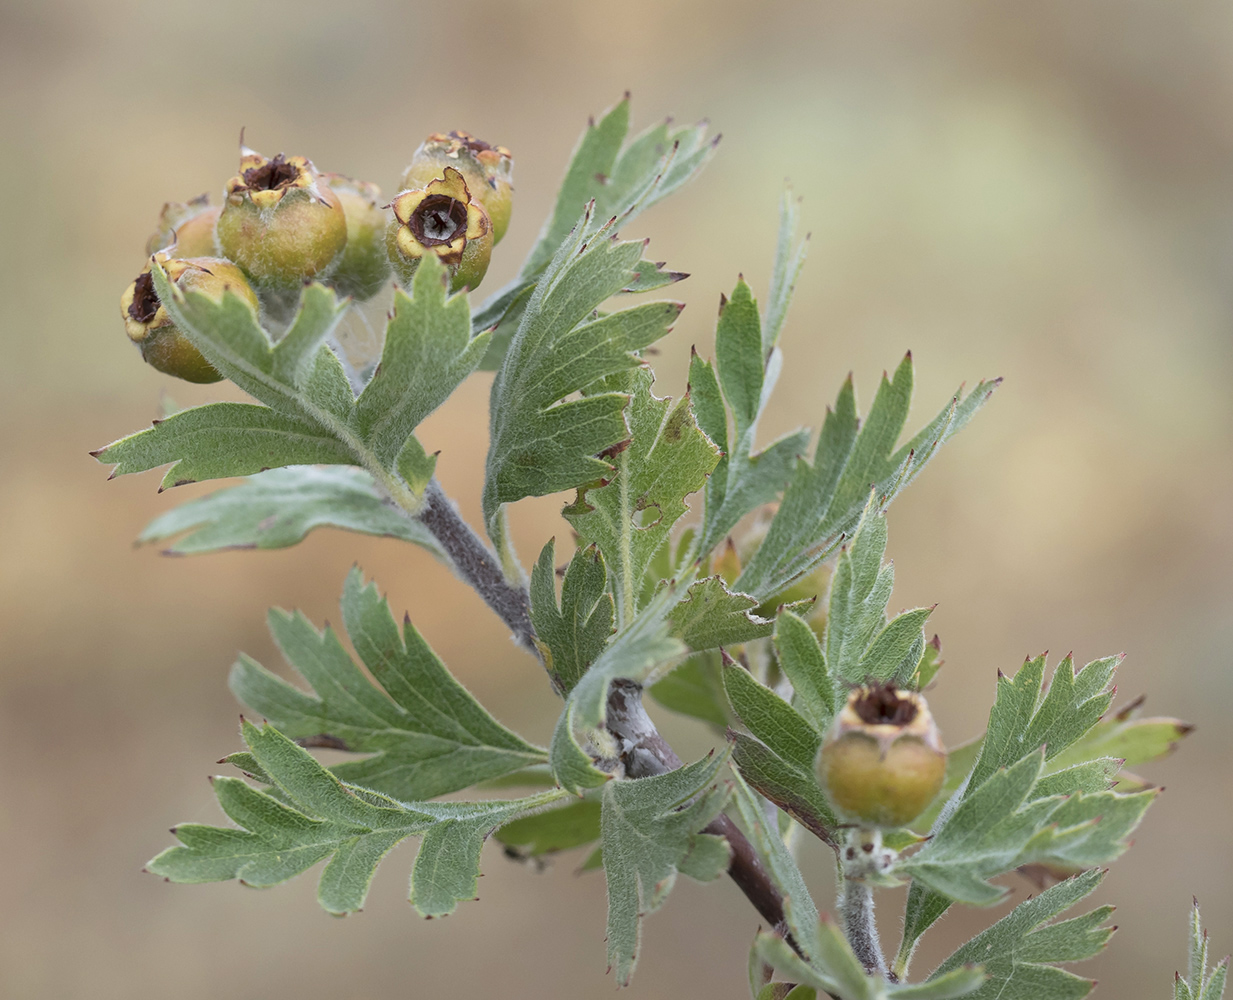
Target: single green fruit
188, 226
883, 760
281, 222
148, 325
365, 264
488, 171
443, 219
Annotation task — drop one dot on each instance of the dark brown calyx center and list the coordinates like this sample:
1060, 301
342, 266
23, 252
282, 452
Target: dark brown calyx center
145, 299
438, 219
273, 175
882, 705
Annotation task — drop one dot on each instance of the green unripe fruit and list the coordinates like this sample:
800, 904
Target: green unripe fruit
365, 264
883, 761
188, 226
443, 219
281, 222
488, 171
148, 325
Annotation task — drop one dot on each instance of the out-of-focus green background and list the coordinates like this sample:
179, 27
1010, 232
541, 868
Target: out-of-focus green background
1039, 191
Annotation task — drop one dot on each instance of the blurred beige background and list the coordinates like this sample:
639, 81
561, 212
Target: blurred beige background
1039, 191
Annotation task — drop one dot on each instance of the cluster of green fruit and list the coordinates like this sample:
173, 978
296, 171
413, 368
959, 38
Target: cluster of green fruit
282, 223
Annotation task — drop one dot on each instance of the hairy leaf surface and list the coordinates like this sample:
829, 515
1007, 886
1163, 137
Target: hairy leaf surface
650, 831
540, 442
277, 508
574, 632
824, 501
629, 517
622, 183
315, 816
426, 734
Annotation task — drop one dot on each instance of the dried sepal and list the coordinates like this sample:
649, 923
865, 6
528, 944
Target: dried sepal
487, 169
443, 219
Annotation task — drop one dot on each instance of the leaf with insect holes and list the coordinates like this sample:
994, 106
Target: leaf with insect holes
650, 831
540, 442
630, 517
825, 500
622, 182
314, 816
277, 508
424, 731
711, 615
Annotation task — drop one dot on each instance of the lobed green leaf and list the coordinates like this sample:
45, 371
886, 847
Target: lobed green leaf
425, 733
279, 507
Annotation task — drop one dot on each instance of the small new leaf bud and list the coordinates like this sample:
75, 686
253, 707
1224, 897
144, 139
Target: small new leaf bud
488, 171
188, 226
441, 218
281, 222
161, 343
883, 760
365, 263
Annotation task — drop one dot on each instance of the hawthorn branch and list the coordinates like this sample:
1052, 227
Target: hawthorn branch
646, 752
477, 564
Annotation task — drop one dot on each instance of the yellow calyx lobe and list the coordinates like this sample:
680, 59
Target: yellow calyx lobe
148, 325
443, 219
281, 222
883, 760
488, 171
266, 181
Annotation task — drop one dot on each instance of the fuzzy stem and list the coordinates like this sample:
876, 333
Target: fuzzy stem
477, 564
855, 906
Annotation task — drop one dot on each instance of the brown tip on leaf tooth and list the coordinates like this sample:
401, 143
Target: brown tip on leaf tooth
616, 449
